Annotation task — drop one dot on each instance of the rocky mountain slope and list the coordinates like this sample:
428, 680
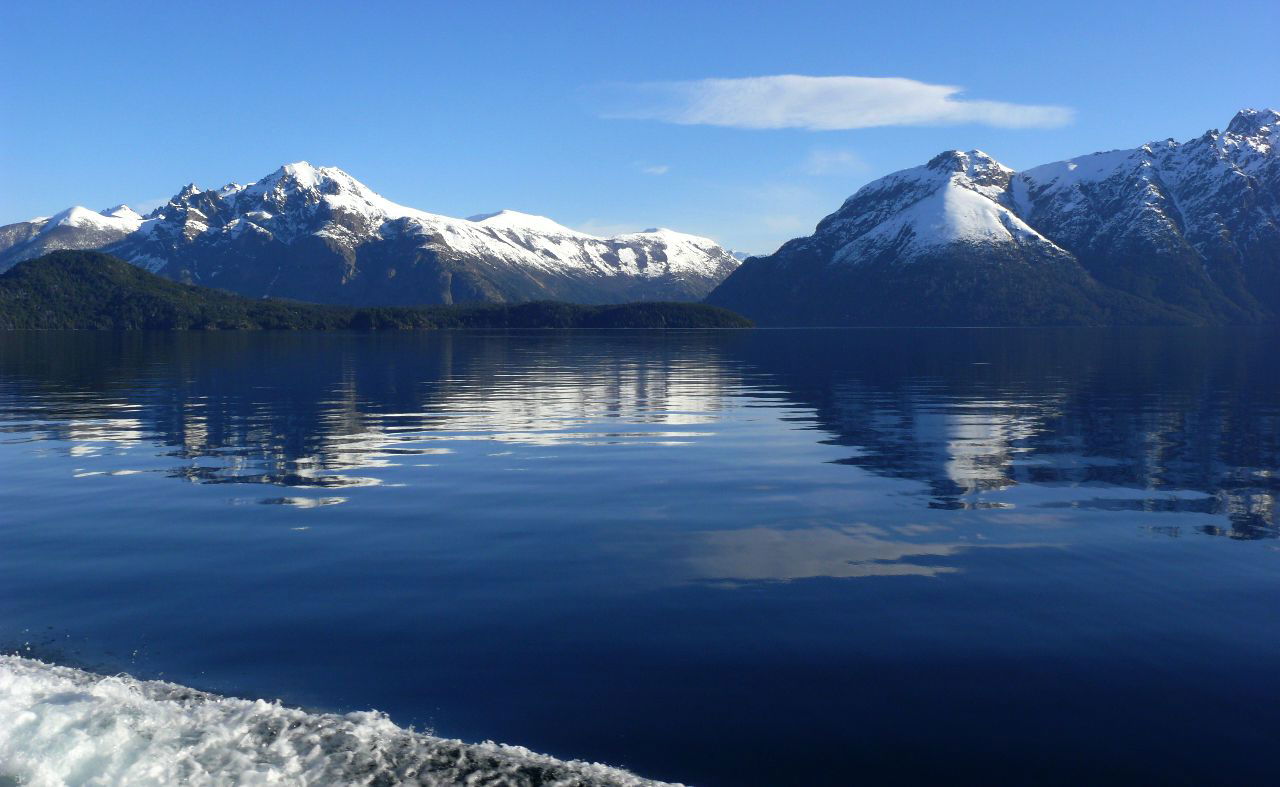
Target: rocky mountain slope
1166, 233
317, 234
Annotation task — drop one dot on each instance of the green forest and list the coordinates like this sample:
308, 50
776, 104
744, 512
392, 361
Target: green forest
86, 290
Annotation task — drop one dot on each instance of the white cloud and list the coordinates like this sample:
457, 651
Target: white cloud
823, 103
833, 162
654, 169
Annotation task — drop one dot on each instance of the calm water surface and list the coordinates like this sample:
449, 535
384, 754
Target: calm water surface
771, 557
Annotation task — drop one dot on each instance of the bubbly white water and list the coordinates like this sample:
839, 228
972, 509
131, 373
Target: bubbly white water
64, 726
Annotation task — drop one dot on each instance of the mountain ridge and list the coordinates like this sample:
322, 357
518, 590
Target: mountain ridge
318, 234
1166, 232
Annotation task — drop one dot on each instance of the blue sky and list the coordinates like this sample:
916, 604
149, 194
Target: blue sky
601, 115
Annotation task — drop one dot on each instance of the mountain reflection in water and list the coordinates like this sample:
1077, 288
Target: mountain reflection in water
1188, 417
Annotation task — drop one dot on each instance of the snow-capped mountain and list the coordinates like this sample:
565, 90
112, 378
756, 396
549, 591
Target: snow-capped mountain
1168, 232
318, 234
1196, 224
73, 228
957, 198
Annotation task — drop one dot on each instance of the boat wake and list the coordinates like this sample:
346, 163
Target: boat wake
64, 726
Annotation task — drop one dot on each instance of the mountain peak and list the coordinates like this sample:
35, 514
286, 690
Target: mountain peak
121, 211
668, 235
305, 175
306, 172
303, 184
964, 161
948, 161
1252, 122
185, 197
120, 220
515, 220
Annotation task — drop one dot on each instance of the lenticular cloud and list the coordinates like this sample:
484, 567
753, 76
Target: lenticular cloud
822, 103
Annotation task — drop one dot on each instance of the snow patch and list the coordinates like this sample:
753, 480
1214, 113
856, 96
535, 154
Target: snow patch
122, 212
515, 220
83, 218
1063, 175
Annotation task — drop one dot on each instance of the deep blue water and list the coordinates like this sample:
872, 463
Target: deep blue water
768, 557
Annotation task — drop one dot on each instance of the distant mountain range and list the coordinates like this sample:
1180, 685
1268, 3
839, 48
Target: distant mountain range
317, 234
1166, 233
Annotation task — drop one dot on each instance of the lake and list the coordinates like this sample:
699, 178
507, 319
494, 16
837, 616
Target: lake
720, 558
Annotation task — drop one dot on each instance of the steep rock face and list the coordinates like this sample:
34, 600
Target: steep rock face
1169, 232
317, 234
1193, 224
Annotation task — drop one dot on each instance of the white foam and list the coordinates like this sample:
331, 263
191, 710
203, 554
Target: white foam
63, 726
